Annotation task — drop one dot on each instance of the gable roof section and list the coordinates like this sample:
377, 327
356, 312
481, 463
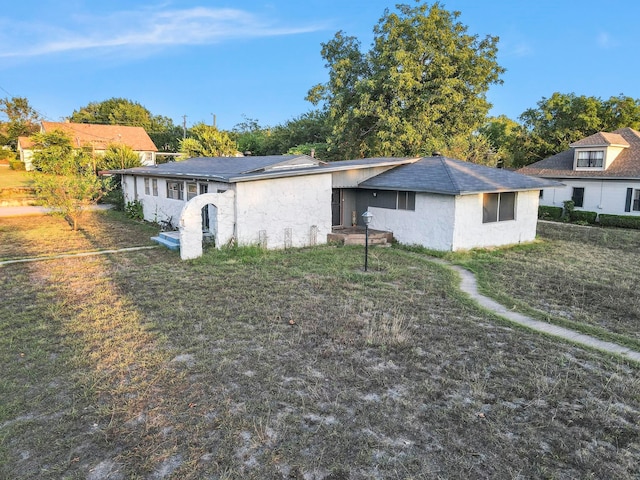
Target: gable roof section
601, 139
100, 136
25, 143
626, 165
447, 176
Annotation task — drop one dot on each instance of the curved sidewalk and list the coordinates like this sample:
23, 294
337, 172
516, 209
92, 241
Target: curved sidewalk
469, 285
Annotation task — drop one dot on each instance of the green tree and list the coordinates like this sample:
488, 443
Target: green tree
207, 141
21, 120
65, 178
303, 133
620, 112
119, 156
424, 80
505, 138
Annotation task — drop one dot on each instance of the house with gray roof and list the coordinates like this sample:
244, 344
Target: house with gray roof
296, 200
600, 173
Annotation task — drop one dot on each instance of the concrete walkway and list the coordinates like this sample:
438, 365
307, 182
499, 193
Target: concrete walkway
81, 254
469, 286
23, 210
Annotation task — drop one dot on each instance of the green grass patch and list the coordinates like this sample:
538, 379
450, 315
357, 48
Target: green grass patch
248, 363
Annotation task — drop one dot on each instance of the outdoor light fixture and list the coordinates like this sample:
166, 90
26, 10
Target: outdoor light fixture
366, 217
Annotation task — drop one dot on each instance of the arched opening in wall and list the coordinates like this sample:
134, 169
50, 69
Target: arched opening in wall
208, 215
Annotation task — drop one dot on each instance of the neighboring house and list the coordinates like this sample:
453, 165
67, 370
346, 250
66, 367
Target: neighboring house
601, 173
95, 137
293, 201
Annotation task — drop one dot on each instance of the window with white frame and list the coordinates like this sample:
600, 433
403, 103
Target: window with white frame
147, 189
175, 190
498, 207
590, 159
154, 186
192, 190
632, 203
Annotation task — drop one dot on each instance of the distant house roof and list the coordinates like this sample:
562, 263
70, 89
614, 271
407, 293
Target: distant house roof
236, 169
626, 165
25, 143
453, 177
100, 136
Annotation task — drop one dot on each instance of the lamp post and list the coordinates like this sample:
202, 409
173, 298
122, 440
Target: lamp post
366, 217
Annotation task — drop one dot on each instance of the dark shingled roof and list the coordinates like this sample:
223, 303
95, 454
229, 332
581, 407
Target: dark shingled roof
219, 168
626, 165
453, 177
601, 139
235, 169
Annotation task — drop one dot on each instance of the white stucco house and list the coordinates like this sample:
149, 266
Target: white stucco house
95, 137
600, 173
293, 201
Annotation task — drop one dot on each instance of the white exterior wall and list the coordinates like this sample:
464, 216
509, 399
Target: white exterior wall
274, 205
429, 225
601, 196
160, 208
470, 232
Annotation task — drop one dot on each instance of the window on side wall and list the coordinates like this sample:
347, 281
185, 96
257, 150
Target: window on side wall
154, 186
578, 196
147, 190
175, 190
498, 207
406, 200
632, 203
192, 190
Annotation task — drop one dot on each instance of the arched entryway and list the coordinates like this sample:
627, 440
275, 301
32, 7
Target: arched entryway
220, 213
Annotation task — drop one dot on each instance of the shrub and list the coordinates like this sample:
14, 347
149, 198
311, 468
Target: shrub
134, 210
582, 216
115, 197
549, 213
16, 165
621, 221
7, 155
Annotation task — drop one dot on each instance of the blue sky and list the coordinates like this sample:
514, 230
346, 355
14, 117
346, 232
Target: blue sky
258, 58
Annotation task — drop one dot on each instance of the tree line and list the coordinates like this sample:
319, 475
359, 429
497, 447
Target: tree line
420, 88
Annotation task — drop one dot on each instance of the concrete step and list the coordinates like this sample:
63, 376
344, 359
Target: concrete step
357, 238
171, 240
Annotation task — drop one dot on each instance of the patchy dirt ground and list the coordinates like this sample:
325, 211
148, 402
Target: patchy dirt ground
292, 364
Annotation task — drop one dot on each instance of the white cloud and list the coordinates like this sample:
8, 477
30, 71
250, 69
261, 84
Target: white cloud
604, 40
140, 29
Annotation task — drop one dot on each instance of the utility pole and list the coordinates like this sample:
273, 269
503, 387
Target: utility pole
184, 127
214, 120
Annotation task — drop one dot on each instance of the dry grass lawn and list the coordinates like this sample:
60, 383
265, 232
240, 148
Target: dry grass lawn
292, 364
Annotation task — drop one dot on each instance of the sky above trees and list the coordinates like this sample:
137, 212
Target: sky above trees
258, 59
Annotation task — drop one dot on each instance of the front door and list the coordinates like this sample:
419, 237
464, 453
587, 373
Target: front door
336, 207
204, 188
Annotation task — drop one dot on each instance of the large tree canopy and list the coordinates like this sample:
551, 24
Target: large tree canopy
21, 120
301, 134
422, 84
65, 178
207, 141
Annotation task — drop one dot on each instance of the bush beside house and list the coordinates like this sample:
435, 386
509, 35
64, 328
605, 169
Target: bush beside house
621, 221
